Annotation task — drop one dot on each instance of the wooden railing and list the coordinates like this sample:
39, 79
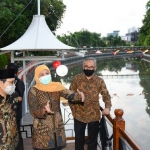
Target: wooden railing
119, 131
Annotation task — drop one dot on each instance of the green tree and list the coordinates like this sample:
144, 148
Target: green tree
3, 61
114, 41
83, 38
90, 39
144, 32
9, 10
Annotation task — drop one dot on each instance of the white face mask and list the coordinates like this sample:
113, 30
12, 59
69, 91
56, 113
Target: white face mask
10, 89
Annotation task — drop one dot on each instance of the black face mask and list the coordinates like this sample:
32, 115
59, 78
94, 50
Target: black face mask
88, 73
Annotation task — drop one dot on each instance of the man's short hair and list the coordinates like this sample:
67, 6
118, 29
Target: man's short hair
13, 66
90, 58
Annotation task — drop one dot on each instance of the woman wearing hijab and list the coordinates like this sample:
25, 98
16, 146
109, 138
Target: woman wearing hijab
44, 105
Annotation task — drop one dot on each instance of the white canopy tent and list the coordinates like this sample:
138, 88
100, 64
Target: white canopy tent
36, 38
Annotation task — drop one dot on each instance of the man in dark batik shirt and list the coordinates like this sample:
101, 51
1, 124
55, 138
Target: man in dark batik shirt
20, 88
8, 105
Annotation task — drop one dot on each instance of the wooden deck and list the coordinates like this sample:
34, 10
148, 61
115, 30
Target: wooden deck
28, 145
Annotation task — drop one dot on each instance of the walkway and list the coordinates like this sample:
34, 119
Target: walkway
28, 145
27, 119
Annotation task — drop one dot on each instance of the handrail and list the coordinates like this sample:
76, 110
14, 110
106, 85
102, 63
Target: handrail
131, 142
118, 124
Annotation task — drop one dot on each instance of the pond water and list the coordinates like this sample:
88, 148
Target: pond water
128, 83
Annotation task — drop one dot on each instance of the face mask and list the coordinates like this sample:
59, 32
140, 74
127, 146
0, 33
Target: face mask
10, 89
45, 79
88, 73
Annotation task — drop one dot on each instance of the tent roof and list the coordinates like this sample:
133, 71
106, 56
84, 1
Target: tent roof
37, 37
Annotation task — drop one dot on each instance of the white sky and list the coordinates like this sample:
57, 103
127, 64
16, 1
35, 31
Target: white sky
102, 16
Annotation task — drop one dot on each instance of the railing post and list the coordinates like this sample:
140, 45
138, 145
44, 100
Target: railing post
118, 122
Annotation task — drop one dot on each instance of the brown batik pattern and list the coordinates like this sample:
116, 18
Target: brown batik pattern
8, 133
36, 110
48, 129
90, 111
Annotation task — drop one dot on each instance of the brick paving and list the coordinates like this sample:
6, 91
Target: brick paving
27, 142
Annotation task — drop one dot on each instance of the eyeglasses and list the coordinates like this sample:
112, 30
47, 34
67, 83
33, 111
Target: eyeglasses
12, 82
90, 67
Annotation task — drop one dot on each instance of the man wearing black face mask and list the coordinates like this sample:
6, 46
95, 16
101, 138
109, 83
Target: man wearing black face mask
89, 112
8, 103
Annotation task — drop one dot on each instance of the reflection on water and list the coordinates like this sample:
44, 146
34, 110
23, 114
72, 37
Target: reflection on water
128, 84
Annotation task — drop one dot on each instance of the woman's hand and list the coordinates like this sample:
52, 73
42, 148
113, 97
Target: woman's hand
47, 107
81, 94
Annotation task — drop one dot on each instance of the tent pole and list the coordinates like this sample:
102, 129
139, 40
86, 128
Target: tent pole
12, 57
25, 83
57, 53
38, 7
63, 54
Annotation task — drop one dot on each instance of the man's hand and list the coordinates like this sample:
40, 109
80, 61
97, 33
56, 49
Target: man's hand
47, 107
81, 94
106, 111
19, 98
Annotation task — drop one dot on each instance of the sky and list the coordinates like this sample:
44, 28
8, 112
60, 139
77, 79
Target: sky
102, 16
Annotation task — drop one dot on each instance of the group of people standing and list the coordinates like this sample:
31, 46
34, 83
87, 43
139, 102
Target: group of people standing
44, 105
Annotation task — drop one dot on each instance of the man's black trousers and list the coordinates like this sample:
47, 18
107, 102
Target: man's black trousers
93, 128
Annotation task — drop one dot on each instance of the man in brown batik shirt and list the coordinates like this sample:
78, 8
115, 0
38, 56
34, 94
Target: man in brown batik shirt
88, 113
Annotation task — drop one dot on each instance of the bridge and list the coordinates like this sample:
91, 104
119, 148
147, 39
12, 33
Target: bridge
118, 123
37, 42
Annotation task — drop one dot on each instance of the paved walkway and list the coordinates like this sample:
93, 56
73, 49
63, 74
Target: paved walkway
28, 145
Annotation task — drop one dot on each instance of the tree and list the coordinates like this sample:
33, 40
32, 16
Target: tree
83, 38
3, 61
90, 39
114, 41
144, 32
52, 9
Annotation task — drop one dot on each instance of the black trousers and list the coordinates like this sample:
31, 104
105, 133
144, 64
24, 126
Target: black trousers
20, 144
58, 148
79, 128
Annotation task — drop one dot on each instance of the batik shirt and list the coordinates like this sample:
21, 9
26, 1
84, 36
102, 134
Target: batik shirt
90, 110
48, 129
8, 128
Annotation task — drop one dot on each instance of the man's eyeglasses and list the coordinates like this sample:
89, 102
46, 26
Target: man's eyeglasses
12, 82
90, 67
